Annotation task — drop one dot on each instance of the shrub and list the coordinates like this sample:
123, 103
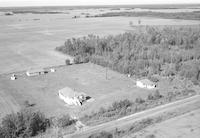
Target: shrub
150, 136
157, 95
121, 104
67, 62
65, 121
77, 59
1, 133
150, 97
24, 124
102, 134
153, 79
139, 100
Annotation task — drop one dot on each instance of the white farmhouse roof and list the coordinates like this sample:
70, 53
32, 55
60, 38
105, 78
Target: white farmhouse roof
146, 82
70, 93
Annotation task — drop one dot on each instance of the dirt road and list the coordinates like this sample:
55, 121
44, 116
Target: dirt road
134, 117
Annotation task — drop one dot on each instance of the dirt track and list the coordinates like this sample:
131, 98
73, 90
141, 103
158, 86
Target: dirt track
135, 117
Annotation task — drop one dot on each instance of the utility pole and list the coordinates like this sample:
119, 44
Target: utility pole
106, 73
106, 64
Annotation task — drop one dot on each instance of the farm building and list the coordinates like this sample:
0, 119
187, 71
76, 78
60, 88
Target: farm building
35, 72
145, 83
71, 97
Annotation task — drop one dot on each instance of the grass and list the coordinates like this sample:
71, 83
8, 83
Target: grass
42, 90
168, 128
88, 78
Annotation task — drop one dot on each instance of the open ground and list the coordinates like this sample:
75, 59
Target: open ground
28, 40
184, 126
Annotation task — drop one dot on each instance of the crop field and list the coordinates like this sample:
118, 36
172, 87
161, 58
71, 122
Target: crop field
29, 40
186, 126
88, 78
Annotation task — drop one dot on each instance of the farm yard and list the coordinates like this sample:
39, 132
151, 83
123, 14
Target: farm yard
88, 78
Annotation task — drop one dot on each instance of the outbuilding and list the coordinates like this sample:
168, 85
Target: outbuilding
71, 96
34, 72
145, 83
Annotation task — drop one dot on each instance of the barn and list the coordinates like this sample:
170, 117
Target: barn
145, 83
71, 96
34, 72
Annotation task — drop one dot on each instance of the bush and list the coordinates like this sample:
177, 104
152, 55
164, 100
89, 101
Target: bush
139, 100
24, 124
77, 59
67, 62
157, 95
150, 136
102, 134
65, 121
1, 133
150, 97
121, 104
153, 79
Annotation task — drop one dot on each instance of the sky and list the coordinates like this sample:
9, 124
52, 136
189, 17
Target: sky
7, 3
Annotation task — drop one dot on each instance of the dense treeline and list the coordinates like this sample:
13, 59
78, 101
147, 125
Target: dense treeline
165, 51
177, 15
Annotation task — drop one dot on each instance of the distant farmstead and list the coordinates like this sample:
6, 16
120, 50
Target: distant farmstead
35, 72
72, 97
145, 83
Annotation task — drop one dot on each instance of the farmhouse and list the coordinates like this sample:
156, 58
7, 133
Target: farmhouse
71, 97
35, 72
145, 83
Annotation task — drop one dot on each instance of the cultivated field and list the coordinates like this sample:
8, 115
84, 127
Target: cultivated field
185, 126
88, 78
28, 40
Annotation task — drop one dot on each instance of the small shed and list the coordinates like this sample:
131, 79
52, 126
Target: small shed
34, 72
71, 96
13, 77
145, 83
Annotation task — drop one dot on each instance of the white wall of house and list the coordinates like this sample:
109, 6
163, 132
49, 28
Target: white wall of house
68, 100
32, 74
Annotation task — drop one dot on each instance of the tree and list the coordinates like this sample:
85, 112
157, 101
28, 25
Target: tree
65, 121
24, 124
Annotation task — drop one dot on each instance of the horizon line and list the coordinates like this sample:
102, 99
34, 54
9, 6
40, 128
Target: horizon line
99, 5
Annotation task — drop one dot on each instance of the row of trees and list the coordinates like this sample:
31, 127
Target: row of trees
176, 15
126, 107
165, 51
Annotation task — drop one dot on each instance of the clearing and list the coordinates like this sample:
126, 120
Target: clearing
88, 78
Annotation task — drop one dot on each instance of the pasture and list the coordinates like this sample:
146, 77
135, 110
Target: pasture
28, 40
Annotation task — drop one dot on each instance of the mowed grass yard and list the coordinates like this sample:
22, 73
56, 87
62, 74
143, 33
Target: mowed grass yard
88, 78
